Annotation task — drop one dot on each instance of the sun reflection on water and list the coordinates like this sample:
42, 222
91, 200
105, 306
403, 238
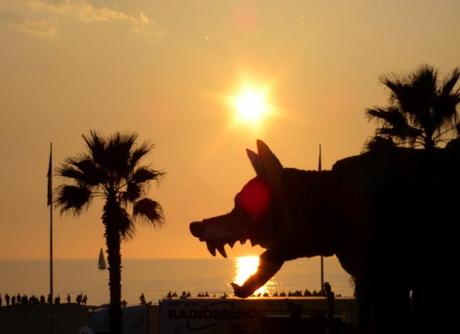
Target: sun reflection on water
245, 266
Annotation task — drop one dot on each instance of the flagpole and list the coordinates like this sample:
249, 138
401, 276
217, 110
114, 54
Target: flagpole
50, 204
322, 259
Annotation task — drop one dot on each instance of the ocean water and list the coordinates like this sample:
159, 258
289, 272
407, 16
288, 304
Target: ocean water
155, 277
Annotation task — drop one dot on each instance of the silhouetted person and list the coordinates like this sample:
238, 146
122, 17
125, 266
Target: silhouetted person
68, 299
7, 299
330, 307
18, 298
84, 300
142, 299
24, 300
307, 293
13, 300
57, 300
49, 300
78, 299
1, 300
42, 299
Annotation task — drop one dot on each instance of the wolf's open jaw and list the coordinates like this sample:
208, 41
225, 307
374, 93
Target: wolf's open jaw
249, 220
269, 263
210, 233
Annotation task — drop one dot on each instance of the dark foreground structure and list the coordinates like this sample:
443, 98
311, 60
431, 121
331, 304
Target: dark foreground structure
268, 315
39, 318
389, 215
271, 315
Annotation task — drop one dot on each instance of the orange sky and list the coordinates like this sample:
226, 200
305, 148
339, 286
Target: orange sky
164, 69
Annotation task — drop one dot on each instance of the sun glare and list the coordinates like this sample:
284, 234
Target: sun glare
250, 105
245, 266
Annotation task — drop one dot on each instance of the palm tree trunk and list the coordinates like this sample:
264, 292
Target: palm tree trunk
112, 237
429, 142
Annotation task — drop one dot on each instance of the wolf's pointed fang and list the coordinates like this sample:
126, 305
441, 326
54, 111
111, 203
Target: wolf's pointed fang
221, 250
211, 248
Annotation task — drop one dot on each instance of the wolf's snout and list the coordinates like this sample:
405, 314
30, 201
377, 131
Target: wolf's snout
196, 228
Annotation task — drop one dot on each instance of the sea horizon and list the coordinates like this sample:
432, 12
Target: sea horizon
155, 277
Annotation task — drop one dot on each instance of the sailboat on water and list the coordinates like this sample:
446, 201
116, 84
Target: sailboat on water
101, 264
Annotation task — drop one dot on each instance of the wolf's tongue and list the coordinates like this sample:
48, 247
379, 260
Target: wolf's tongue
268, 266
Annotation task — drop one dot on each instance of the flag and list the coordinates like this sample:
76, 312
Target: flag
319, 160
50, 176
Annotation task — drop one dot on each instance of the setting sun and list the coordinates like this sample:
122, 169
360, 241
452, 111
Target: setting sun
250, 104
245, 266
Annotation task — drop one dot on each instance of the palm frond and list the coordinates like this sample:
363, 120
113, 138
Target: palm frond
127, 228
71, 172
391, 115
422, 110
73, 198
96, 145
398, 90
82, 170
394, 123
150, 210
139, 152
144, 174
132, 193
450, 83
118, 154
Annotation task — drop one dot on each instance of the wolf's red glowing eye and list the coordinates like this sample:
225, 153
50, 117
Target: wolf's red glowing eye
255, 197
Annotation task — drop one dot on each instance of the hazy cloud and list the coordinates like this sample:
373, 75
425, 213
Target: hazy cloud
37, 28
42, 17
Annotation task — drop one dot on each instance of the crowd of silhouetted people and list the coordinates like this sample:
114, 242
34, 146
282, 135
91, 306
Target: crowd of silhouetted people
82, 299
296, 293
7, 300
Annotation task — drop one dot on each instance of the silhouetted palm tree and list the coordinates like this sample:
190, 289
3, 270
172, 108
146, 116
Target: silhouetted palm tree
110, 168
422, 110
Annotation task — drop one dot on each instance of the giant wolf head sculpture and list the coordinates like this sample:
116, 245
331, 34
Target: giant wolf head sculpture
273, 210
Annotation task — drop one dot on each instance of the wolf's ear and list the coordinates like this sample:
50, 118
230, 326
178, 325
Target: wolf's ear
256, 163
271, 166
274, 174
